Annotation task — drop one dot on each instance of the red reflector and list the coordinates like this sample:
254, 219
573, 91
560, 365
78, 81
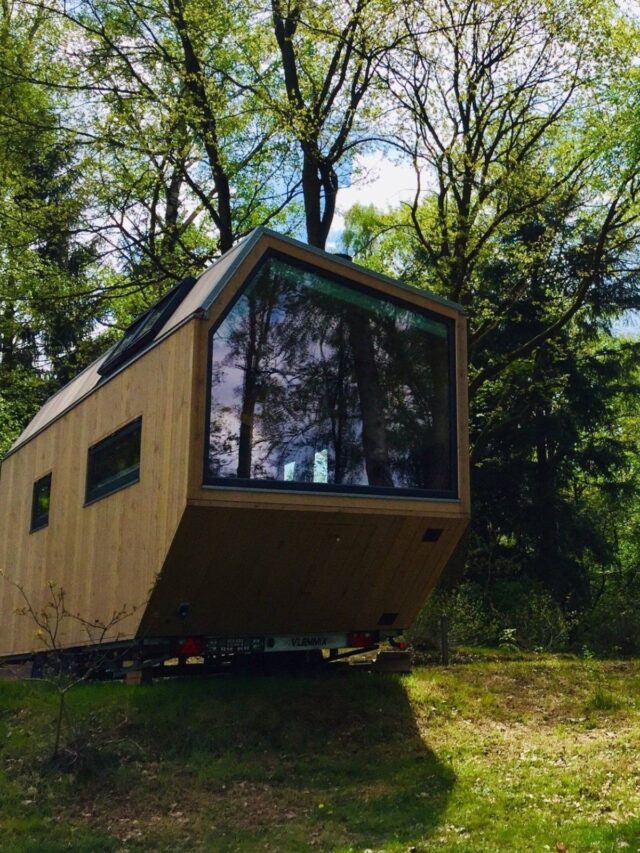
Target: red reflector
360, 639
191, 647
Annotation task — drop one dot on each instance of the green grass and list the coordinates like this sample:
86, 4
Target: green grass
519, 755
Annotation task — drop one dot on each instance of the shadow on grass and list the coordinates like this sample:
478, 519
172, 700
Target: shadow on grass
338, 756
331, 762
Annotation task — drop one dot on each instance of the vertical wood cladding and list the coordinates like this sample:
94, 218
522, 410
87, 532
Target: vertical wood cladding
105, 554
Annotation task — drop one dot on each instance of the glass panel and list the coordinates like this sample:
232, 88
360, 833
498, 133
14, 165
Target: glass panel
145, 327
114, 462
317, 382
41, 500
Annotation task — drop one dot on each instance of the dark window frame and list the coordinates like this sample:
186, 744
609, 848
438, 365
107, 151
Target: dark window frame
96, 493
336, 488
38, 523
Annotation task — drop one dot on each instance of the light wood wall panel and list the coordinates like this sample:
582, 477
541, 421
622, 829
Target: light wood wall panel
255, 572
105, 555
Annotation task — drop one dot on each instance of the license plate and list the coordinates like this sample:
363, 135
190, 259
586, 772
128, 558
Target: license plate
229, 646
303, 642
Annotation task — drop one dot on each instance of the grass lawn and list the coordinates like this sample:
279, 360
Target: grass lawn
535, 754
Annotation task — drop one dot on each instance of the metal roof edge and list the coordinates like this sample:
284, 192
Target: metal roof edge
244, 247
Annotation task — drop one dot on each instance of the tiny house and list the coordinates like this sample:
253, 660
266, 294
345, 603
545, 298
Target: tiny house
273, 457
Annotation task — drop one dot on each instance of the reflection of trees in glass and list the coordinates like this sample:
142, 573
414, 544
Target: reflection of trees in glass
372, 400
312, 379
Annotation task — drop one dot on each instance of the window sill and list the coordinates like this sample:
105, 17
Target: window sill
327, 490
113, 491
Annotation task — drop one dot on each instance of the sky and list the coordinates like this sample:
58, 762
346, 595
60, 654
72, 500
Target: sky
381, 182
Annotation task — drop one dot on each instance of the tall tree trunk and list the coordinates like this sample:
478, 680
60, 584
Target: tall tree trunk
7, 338
172, 207
320, 191
312, 190
548, 544
206, 126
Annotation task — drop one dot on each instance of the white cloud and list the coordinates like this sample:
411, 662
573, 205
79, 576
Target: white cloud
376, 180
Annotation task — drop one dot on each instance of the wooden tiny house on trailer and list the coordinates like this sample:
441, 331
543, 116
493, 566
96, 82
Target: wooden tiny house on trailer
278, 449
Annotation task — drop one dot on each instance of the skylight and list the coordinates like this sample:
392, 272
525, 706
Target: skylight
146, 327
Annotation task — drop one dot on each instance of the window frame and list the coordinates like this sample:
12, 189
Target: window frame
336, 488
94, 494
41, 524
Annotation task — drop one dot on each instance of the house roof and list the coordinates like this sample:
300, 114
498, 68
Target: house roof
199, 298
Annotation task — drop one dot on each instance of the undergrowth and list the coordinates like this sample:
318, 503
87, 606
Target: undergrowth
517, 754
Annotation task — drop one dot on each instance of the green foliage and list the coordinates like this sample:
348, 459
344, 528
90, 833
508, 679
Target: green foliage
470, 622
612, 625
603, 700
519, 614
527, 611
478, 757
20, 399
48, 305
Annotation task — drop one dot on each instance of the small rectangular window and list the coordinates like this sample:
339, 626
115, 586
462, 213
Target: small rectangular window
40, 502
114, 462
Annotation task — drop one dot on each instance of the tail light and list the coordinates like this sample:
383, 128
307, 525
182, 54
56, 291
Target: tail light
190, 648
362, 639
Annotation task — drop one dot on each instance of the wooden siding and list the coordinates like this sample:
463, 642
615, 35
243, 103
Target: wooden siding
262, 571
107, 554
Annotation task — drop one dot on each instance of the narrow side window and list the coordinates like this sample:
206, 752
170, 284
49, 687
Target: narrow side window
114, 462
40, 502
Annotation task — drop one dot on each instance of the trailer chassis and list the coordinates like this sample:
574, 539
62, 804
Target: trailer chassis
172, 656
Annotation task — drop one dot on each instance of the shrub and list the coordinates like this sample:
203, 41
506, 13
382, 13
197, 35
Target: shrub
470, 622
612, 625
519, 612
535, 619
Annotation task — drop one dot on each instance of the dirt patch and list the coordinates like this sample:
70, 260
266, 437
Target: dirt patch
240, 806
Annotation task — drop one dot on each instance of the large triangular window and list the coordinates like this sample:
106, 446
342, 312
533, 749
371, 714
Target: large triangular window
317, 383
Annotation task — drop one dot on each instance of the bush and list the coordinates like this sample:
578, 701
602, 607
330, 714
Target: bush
520, 612
470, 623
533, 619
612, 626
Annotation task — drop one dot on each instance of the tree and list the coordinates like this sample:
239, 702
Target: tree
62, 668
501, 98
331, 55
47, 306
187, 159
